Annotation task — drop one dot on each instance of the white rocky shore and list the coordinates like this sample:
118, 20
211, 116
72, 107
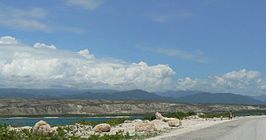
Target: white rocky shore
161, 127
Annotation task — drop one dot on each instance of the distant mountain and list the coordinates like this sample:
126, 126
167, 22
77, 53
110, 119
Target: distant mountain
170, 96
221, 98
81, 94
120, 95
176, 94
260, 98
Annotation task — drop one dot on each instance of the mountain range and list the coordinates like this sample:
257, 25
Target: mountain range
169, 96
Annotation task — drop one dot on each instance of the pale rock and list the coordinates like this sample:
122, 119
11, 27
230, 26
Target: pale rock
127, 121
42, 128
160, 125
159, 116
145, 127
174, 123
137, 121
102, 128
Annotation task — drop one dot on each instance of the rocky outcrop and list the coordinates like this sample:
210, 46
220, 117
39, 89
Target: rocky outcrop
102, 128
160, 125
145, 126
91, 107
172, 122
42, 128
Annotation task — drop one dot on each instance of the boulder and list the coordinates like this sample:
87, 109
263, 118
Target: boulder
169, 119
159, 116
145, 127
160, 124
174, 123
42, 128
137, 121
102, 128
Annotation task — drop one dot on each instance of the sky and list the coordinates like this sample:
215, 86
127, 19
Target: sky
154, 45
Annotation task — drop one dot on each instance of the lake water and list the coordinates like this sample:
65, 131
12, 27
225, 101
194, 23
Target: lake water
25, 121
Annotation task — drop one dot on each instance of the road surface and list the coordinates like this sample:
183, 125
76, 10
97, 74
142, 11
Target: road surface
243, 129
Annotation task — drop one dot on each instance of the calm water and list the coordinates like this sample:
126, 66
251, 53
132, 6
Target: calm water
52, 121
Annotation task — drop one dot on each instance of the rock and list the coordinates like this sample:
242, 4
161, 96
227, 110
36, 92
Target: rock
127, 121
42, 128
159, 116
137, 121
169, 119
200, 114
160, 125
102, 128
145, 127
174, 123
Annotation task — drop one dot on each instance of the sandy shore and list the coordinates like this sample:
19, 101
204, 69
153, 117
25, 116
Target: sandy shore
190, 125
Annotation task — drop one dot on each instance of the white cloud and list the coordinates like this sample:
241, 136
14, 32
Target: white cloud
87, 4
44, 46
242, 82
26, 66
196, 56
23, 19
8, 40
186, 83
32, 19
86, 53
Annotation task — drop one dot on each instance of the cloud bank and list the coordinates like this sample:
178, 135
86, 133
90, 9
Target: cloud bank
44, 66
243, 82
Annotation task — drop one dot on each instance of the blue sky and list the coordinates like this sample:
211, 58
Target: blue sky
196, 38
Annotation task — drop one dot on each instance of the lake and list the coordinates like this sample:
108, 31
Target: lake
27, 121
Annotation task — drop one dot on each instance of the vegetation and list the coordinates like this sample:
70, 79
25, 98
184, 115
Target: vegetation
112, 122
62, 134
215, 115
180, 115
250, 112
65, 133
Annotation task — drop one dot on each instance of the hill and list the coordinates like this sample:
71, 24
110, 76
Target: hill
220, 98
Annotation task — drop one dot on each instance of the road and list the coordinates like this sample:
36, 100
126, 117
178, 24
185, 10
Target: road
242, 129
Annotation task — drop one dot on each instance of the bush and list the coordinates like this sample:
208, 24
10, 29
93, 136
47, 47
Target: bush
149, 117
215, 115
180, 115
112, 122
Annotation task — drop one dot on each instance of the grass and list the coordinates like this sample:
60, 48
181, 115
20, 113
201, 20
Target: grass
113, 122
6, 134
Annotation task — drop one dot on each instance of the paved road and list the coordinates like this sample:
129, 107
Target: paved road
243, 129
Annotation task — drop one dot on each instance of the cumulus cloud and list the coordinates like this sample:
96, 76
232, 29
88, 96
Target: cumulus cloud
186, 83
30, 66
8, 40
87, 4
44, 46
242, 82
